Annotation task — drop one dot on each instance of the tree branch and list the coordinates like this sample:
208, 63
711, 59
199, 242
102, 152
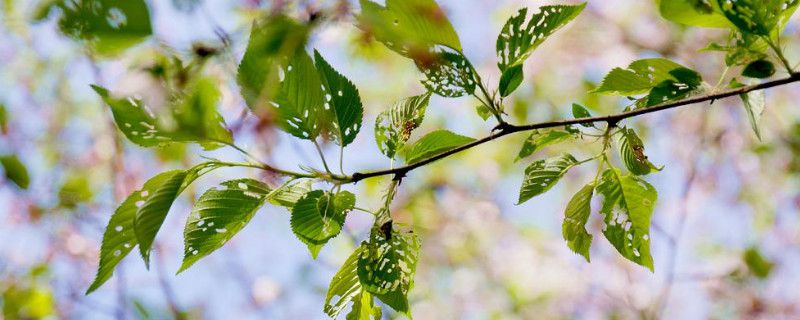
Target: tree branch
613, 119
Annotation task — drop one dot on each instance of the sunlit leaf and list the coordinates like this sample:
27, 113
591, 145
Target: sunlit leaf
758, 17
575, 217
539, 139
393, 127
698, 13
409, 27
300, 102
448, 75
218, 215
628, 204
387, 265
435, 143
15, 171
288, 194
342, 102
542, 175
318, 217
640, 77
631, 150
345, 288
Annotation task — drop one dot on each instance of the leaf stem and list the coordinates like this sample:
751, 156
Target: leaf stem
779, 53
322, 156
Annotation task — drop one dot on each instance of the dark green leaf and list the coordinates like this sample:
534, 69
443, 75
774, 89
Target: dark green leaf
685, 81
628, 204
435, 143
106, 26
575, 217
218, 215
631, 150
447, 74
538, 140
510, 80
409, 27
542, 175
318, 217
343, 103
759, 69
393, 127
579, 111
758, 17
15, 171
640, 77
757, 263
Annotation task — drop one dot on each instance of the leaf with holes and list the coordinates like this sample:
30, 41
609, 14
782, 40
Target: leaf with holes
387, 265
288, 194
299, 103
345, 288
538, 140
448, 75
575, 217
272, 42
393, 127
631, 150
640, 77
409, 27
15, 171
153, 209
518, 40
218, 215
698, 13
628, 204
758, 17
435, 143
542, 175
107, 27
318, 217
685, 81
119, 237
342, 103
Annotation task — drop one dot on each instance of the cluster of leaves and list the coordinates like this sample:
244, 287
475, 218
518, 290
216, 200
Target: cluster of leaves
309, 99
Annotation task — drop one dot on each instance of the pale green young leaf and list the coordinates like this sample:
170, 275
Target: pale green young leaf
218, 215
107, 27
698, 13
300, 102
408, 27
483, 111
318, 217
15, 171
342, 103
288, 194
364, 308
345, 288
575, 217
518, 40
640, 77
631, 150
272, 43
542, 175
387, 265
628, 204
538, 140
435, 143
448, 74
393, 127
119, 237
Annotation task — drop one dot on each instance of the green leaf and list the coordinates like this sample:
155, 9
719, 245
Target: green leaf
408, 27
300, 102
3, 119
107, 27
628, 204
318, 217
288, 194
758, 17
517, 40
754, 104
698, 13
484, 112
631, 150
393, 127
448, 75
741, 49
119, 237
579, 111
345, 288
685, 81
640, 77
272, 42
218, 215
364, 308
156, 202
15, 171
435, 143
538, 140
759, 69
575, 217
194, 118
757, 263
342, 102
510, 80
387, 265
542, 175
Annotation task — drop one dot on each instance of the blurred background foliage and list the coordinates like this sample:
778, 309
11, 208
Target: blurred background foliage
725, 233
